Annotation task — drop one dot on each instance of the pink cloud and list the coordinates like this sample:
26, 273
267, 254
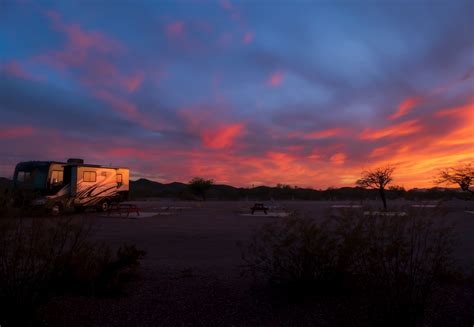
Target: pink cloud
129, 152
99, 73
275, 79
175, 29
132, 83
82, 39
123, 106
53, 15
248, 37
89, 52
16, 132
226, 4
14, 68
80, 44
233, 12
129, 110
325, 133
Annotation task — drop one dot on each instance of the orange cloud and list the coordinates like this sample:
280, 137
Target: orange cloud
420, 159
402, 129
223, 137
380, 151
338, 158
275, 79
464, 133
405, 107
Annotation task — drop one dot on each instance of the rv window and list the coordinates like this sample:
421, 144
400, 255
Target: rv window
119, 178
89, 176
24, 176
56, 177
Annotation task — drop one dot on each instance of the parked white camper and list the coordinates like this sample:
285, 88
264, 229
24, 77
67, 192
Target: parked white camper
73, 184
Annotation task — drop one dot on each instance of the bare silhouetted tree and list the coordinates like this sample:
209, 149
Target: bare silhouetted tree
199, 186
377, 179
462, 176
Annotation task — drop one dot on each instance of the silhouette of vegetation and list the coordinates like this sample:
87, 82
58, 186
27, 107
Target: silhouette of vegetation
462, 176
294, 253
148, 189
396, 263
200, 186
377, 179
400, 261
42, 257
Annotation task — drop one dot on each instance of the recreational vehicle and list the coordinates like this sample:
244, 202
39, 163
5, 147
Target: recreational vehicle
72, 184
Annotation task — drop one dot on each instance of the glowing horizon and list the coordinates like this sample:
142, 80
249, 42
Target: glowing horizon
245, 93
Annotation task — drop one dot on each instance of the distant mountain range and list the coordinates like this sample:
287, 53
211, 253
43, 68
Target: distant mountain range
147, 188
144, 188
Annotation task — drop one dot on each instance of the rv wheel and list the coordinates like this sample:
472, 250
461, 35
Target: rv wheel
104, 206
56, 209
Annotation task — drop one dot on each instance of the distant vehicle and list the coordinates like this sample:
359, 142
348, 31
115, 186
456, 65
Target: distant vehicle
72, 184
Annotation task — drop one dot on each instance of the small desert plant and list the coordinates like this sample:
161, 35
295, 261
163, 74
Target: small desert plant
41, 258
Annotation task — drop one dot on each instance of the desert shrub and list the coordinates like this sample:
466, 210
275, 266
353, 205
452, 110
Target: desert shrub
6, 201
41, 258
396, 263
400, 261
11, 206
296, 254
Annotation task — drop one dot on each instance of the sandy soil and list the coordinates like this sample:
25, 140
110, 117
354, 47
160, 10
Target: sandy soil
191, 273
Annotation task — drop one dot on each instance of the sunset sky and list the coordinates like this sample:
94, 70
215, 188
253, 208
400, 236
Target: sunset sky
246, 93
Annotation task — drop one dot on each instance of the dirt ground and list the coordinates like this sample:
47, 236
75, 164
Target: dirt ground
191, 275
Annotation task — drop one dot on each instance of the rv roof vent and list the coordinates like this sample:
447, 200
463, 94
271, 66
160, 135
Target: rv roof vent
75, 161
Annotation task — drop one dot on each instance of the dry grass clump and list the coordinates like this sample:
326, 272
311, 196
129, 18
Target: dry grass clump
395, 264
295, 253
44, 257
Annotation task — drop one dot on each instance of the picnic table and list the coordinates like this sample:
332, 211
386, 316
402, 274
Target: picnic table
259, 207
123, 208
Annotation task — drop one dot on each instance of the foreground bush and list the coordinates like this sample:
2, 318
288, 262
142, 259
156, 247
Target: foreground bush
400, 261
41, 258
396, 263
295, 253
